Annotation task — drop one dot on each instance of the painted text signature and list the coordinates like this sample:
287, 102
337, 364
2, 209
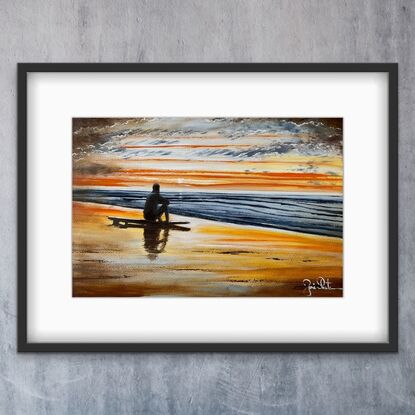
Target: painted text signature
320, 283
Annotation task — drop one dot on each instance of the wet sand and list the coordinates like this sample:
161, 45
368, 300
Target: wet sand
201, 259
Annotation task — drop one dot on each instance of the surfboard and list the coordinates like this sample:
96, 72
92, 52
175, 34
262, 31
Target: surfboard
140, 223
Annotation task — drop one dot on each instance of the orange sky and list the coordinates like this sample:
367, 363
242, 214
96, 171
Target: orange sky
192, 154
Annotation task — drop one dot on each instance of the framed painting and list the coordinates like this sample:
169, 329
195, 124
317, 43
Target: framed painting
207, 207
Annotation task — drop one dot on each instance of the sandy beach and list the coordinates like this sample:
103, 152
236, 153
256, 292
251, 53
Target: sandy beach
203, 258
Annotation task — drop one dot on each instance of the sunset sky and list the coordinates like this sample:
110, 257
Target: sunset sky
209, 154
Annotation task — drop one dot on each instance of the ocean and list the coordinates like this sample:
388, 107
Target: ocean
306, 213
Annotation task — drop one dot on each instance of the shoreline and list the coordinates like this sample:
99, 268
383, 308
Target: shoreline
308, 215
184, 218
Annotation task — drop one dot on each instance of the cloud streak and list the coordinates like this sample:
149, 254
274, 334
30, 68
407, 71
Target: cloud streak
102, 146
302, 136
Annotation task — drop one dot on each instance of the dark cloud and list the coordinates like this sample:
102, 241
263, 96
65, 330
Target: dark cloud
92, 168
318, 136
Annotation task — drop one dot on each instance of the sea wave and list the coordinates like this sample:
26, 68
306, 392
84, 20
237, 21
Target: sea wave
307, 213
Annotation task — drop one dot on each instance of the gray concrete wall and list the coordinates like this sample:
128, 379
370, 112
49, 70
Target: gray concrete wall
206, 31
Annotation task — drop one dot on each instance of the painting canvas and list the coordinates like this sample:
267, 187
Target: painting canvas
207, 207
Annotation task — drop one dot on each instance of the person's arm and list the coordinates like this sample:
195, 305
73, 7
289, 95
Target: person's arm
163, 200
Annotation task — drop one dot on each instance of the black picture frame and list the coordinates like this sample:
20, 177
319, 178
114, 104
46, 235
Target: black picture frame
22, 341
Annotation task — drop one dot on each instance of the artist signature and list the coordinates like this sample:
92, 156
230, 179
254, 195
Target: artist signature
321, 283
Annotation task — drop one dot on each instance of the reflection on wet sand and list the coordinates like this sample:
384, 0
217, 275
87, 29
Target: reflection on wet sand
155, 241
155, 234
205, 259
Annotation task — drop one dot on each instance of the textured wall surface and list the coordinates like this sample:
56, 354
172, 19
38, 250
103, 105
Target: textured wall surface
206, 31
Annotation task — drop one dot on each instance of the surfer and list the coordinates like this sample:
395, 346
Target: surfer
156, 205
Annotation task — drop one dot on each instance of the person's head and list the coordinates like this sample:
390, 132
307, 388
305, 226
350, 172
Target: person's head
156, 187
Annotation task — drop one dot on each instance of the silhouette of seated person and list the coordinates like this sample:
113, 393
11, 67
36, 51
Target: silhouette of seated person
156, 205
